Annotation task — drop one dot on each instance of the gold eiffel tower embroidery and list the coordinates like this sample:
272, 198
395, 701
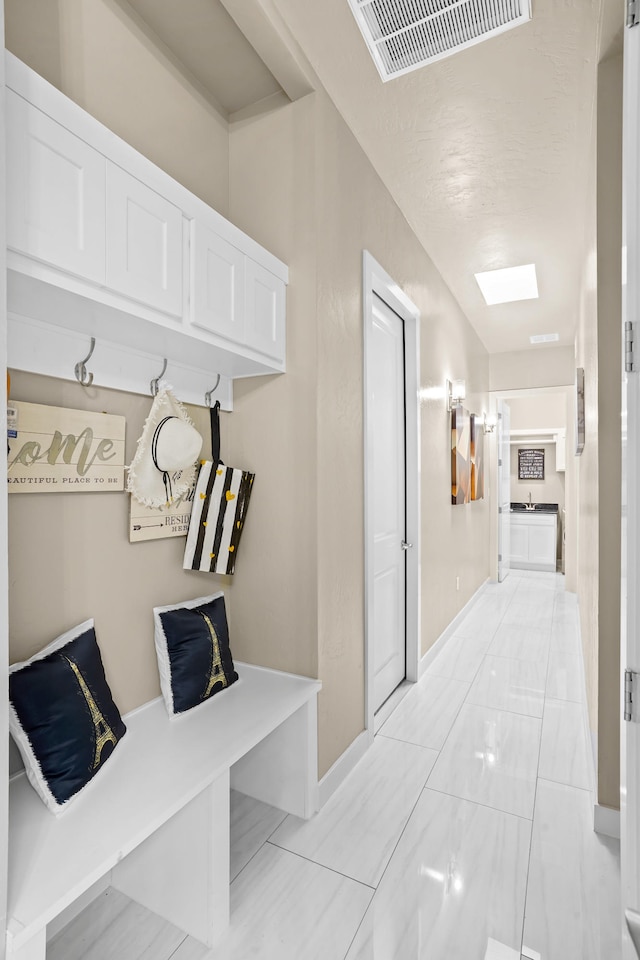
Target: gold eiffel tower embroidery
217, 674
104, 733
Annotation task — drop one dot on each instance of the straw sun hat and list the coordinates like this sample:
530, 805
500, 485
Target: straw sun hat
164, 466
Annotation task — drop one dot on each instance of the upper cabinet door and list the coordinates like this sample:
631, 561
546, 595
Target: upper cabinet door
55, 193
265, 306
144, 243
217, 284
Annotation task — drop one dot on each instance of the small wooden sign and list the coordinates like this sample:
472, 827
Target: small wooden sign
531, 464
56, 450
157, 523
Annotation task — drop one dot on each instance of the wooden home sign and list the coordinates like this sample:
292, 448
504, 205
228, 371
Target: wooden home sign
55, 450
531, 464
157, 523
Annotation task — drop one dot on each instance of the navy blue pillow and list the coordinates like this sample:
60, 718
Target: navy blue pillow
194, 659
62, 715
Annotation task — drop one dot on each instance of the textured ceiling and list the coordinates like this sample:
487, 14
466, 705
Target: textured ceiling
486, 152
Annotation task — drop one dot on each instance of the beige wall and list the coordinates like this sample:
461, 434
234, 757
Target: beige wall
540, 410
598, 351
545, 366
318, 206
70, 557
301, 185
98, 57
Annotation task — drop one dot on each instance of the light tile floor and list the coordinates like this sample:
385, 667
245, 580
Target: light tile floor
465, 833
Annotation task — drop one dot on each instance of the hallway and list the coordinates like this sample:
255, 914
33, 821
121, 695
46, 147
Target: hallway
464, 834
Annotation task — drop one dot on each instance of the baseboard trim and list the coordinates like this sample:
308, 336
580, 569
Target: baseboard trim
606, 821
449, 631
343, 766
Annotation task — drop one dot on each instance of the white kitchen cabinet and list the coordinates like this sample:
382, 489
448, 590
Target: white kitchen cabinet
217, 284
144, 243
55, 193
533, 541
265, 311
519, 543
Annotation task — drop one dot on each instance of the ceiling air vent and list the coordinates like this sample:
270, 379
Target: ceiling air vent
403, 35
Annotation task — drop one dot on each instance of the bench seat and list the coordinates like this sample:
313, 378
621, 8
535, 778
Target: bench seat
157, 817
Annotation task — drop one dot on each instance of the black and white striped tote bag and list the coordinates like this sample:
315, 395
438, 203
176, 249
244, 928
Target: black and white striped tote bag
220, 506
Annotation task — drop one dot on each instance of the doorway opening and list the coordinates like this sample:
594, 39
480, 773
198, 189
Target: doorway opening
391, 488
539, 472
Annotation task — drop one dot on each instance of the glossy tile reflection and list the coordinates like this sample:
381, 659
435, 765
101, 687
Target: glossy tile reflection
490, 757
513, 685
455, 883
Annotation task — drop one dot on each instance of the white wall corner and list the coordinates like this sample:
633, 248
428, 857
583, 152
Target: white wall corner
606, 821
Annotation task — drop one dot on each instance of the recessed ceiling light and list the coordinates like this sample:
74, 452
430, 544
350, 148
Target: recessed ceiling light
512, 283
544, 337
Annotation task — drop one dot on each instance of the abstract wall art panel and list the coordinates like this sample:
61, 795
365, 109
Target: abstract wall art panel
460, 449
477, 457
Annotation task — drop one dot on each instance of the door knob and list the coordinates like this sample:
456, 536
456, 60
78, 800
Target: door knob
404, 545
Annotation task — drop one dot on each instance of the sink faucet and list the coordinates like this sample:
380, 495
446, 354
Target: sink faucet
530, 505
529, 497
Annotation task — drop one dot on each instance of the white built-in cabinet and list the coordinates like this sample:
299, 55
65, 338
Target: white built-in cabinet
264, 310
57, 195
101, 243
217, 303
144, 243
533, 541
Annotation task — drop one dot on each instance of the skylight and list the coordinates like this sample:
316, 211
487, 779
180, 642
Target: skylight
544, 337
509, 285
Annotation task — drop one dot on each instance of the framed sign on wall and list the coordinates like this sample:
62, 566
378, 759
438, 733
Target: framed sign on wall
531, 463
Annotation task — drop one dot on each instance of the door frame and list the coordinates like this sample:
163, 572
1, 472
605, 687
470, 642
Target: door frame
376, 281
630, 526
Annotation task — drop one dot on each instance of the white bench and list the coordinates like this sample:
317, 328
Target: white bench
156, 820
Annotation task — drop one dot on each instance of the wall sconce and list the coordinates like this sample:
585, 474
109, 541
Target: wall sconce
456, 392
488, 423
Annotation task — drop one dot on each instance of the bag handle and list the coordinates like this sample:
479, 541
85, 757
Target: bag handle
214, 412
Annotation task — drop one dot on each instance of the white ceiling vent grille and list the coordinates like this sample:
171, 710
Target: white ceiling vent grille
403, 35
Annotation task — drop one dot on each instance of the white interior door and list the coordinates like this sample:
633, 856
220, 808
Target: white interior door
504, 489
630, 621
385, 378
